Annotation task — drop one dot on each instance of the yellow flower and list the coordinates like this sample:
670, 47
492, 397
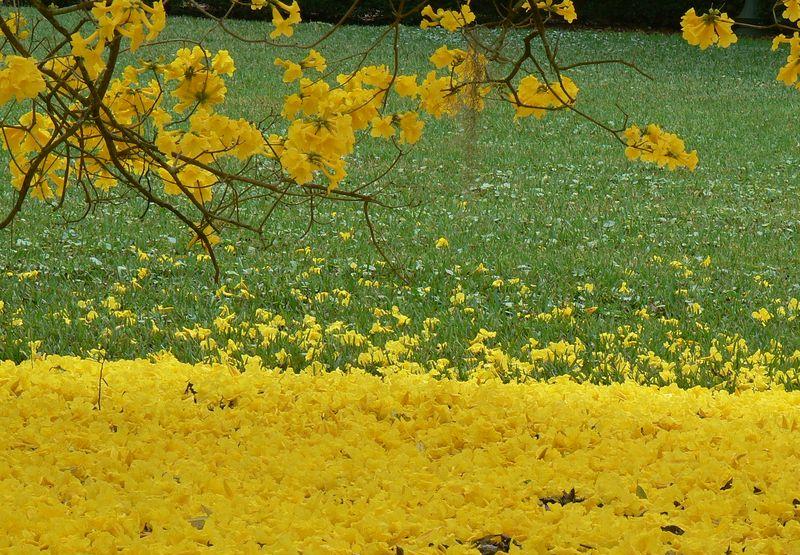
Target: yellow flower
294, 71
442, 243
382, 127
406, 85
791, 9
436, 95
410, 127
198, 82
790, 72
223, 63
444, 57
209, 232
450, 20
20, 79
297, 165
16, 23
659, 147
565, 9
713, 27
283, 25
762, 315
534, 98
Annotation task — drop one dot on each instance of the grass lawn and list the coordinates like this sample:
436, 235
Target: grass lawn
594, 266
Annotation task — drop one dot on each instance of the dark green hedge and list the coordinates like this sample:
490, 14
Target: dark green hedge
659, 14
368, 12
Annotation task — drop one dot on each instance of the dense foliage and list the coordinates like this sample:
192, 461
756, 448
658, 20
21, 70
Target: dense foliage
608, 13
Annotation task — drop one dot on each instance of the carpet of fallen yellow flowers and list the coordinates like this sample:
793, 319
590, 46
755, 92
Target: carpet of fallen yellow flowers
181, 458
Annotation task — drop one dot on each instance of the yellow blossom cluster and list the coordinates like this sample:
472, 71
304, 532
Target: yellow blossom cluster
451, 20
788, 74
17, 24
20, 78
134, 101
324, 118
24, 142
136, 105
136, 20
462, 88
198, 77
714, 27
791, 9
534, 98
284, 16
564, 8
133, 106
167, 456
659, 147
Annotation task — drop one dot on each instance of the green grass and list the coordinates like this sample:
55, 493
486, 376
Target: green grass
552, 202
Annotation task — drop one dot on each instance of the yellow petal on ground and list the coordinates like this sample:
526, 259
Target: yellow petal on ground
180, 457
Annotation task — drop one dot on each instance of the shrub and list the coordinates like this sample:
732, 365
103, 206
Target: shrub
656, 14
